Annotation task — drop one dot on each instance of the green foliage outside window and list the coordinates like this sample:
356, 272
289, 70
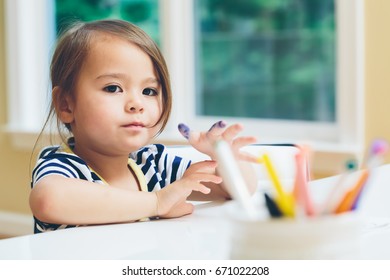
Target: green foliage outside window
143, 13
266, 59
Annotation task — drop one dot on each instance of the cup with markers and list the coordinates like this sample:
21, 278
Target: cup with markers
288, 220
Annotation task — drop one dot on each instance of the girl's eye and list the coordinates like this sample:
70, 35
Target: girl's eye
149, 92
112, 89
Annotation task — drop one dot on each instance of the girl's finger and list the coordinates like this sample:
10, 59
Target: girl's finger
184, 130
231, 132
243, 141
216, 129
190, 135
186, 208
247, 157
201, 188
207, 166
204, 177
180, 209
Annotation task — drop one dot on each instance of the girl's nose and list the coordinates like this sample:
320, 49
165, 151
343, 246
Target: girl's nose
134, 104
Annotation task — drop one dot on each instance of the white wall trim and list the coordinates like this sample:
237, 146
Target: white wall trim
29, 38
350, 72
15, 224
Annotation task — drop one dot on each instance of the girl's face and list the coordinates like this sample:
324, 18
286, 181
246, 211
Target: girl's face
117, 99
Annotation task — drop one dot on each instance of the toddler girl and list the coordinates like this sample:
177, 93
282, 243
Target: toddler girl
111, 96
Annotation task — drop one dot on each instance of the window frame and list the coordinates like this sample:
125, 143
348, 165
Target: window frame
26, 113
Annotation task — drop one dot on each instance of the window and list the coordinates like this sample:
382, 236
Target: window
266, 59
282, 83
268, 64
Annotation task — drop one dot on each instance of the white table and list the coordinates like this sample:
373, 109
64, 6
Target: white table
202, 235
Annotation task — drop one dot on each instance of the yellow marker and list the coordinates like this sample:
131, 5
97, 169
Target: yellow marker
284, 201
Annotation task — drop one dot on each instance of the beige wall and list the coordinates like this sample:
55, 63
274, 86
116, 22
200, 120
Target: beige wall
14, 164
377, 70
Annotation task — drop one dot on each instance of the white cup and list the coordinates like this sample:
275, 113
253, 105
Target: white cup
323, 237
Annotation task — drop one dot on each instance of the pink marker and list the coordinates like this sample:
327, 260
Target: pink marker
301, 191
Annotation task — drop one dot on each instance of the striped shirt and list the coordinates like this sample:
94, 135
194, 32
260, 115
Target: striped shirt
154, 167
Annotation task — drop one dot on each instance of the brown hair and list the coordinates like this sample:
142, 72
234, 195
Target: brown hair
71, 52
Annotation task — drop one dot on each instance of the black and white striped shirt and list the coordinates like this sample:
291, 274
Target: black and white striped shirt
154, 167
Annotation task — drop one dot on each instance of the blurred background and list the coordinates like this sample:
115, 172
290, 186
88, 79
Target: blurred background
297, 71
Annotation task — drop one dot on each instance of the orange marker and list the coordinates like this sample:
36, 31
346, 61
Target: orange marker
350, 197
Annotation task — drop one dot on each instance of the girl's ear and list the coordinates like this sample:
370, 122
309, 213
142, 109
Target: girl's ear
63, 104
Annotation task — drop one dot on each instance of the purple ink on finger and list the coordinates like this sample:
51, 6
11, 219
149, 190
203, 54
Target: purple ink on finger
220, 124
184, 130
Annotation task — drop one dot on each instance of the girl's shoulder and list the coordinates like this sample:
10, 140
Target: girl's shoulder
59, 153
60, 160
47, 151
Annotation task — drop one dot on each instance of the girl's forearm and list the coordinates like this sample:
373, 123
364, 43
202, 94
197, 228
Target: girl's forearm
60, 200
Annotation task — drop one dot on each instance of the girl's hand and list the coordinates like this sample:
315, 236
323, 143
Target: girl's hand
205, 141
171, 200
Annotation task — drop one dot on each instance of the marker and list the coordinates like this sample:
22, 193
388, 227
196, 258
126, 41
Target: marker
273, 209
379, 148
377, 151
284, 201
232, 178
301, 191
336, 195
352, 195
